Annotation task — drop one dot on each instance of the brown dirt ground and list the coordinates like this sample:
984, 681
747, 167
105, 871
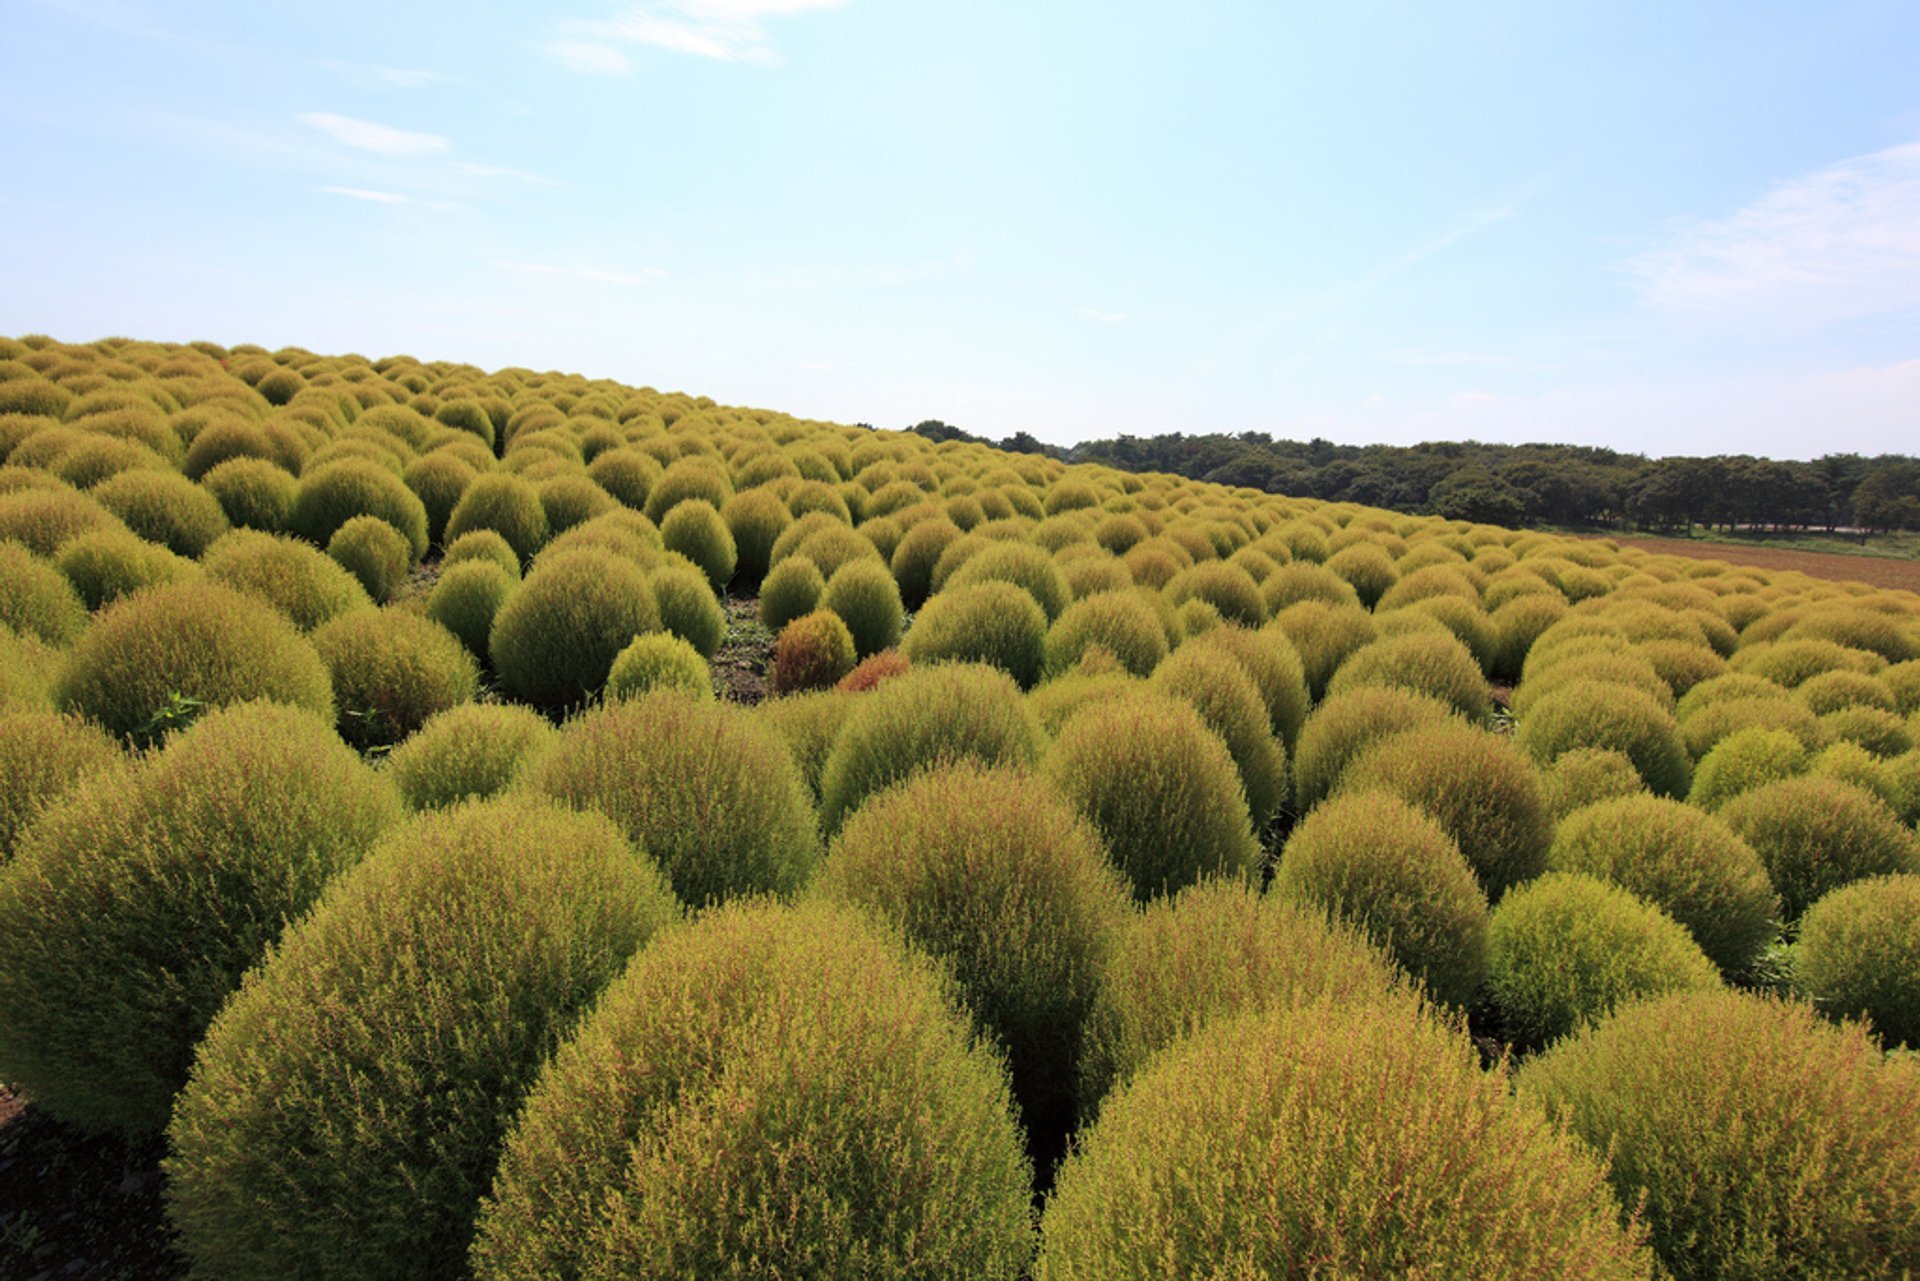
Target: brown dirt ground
1877, 571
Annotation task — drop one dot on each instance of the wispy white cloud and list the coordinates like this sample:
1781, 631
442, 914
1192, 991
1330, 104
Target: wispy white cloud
501, 171
1841, 243
381, 140
586, 275
1104, 317
725, 30
368, 75
375, 197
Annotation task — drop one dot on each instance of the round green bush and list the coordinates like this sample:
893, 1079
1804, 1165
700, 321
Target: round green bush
1228, 588
701, 786
439, 479
1372, 859
1431, 663
1569, 948
1477, 785
992, 871
863, 593
696, 530
1707, 726
659, 660
36, 599
375, 553
1793, 663
42, 756
465, 600
555, 637
483, 544
627, 474
1815, 835
1831, 691
1881, 732
164, 507
1758, 1141
253, 493
1345, 725
936, 715
334, 493
768, 1092
298, 580
814, 651
572, 499
1366, 1141
1586, 776
349, 1104
1119, 622
468, 752
1274, 665
27, 672
1368, 567
687, 606
136, 902
1517, 624
916, 554
392, 670
1025, 565
1629, 668
991, 622
1593, 714
504, 503
1214, 950
1743, 760
196, 641
1218, 687
807, 723
1684, 861
45, 520
756, 519
1324, 635
1859, 955
110, 563
792, 588
695, 479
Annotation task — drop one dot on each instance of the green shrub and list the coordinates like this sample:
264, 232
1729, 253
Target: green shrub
1817, 834
1586, 776
1627, 668
300, 581
375, 553
1367, 1141
1477, 785
993, 872
944, 714
687, 606
991, 622
392, 670
1344, 726
36, 599
865, 596
42, 756
807, 724
1859, 953
1517, 624
27, 672
556, 635
1275, 668
45, 520
1708, 725
135, 903
468, 752
1198, 617
701, 786
627, 474
1595, 714
466, 599
1368, 567
1218, 687
504, 503
1371, 859
334, 493
1228, 588
164, 507
1763, 1143
916, 554
349, 1104
572, 499
659, 660
1793, 663
1324, 635
756, 519
1304, 580
791, 589
1831, 691
695, 530
1742, 761
110, 563
688, 479
1879, 731
1684, 861
483, 544
1025, 565
199, 642
253, 493
1854, 764
1903, 679
825, 1114
1427, 663
1569, 948
1214, 950
439, 479
814, 651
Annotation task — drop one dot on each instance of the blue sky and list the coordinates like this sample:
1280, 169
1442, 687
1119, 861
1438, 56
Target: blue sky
1667, 228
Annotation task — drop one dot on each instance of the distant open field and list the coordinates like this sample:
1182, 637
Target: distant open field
1880, 571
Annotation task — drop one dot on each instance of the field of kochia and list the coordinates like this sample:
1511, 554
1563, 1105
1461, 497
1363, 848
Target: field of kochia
1123, 876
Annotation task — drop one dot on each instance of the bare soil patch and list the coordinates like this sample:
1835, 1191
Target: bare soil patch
1876, 571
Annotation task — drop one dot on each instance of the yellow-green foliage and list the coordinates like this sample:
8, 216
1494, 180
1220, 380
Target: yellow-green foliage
659, 660
1219, 688
137, 900
771, 1091
440, 480
1024, 565
27, 671
992, 871
571, 500
1434, 664
688, 479
42, 756
1817, 834
392, 670
1229, 589
814, 651
1758, 1141
1216, 949
295, 578
507, 505
931, 715
1270, 659
756, 519
1743, 760
1479, 787
1517, 624
164, 507
349, 1104
36, 599
1706, 726
992, 622
1595, 714
1368, 567
110, 563
1346, 725
1120, 622
1324, 635
695, 530
469, 752
701, 786
556, 635
1366, 1141
483, 544
253, 493
44, 520
863, 593
1586, 776
1372, 859
1879, 731
197, 641
793, 588
807, 724
1793, 663
1859, 955
1683, 860
687, 606
334, 493
627, 474
465, 600
1568, 948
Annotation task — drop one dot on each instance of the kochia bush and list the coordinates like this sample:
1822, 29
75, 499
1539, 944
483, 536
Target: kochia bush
1817, 834
392, 670
991, 622
42, 756
334, 493
655, 661
295, 578
1859, 955
469, 752
556, 636
1593, 714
